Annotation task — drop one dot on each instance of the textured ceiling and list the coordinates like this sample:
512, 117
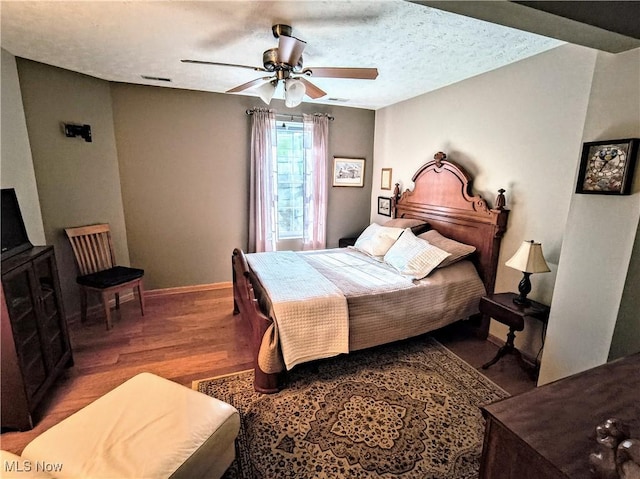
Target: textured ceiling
415, 48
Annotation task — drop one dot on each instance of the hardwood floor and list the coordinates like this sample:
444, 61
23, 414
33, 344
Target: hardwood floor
188, 336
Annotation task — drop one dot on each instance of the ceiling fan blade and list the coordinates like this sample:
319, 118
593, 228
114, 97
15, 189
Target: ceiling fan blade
337, 72
202, 62
249, 84
290, 50
312, 91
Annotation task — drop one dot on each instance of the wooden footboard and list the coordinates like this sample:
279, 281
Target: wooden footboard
246, 305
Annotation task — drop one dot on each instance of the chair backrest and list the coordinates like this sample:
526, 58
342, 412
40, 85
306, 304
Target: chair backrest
92, 247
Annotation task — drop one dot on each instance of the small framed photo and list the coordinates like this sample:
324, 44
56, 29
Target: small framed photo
385, 179
384, 206
607, 167
348, 172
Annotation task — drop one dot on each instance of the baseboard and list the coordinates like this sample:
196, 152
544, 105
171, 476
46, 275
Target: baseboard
187, 289
495, 340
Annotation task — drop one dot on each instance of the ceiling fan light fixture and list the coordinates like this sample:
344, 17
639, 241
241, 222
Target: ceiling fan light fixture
294, 91
284, 62
266, 91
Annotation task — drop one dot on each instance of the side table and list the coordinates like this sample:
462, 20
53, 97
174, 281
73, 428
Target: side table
344, 242
500, 306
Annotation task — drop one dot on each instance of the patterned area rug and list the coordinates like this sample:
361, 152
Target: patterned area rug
409, 410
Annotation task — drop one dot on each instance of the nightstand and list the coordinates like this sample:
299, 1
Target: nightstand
501, 307
344, 242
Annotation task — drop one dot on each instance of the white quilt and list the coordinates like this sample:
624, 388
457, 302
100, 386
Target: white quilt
311, 314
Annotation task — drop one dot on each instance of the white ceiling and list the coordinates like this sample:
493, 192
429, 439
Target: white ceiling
416, 48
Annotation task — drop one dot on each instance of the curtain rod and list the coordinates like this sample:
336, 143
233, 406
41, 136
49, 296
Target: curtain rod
297, 117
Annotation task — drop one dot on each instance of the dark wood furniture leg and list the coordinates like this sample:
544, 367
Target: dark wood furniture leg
140, 289
508, 348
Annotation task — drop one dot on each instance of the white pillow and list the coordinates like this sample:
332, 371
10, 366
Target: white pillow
376, 240
413, 256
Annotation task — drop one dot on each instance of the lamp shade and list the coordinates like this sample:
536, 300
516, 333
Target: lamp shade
529, 258
294, 91
266, 91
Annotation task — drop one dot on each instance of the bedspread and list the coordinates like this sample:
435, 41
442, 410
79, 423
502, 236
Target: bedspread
311, 316
354, 273
383, 306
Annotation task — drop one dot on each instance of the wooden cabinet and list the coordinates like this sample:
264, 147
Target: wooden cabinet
549, 432
35, 340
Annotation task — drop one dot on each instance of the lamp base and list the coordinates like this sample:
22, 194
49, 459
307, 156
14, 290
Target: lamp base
524, 288
522, 301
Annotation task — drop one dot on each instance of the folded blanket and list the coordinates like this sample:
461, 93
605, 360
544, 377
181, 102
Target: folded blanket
311, 314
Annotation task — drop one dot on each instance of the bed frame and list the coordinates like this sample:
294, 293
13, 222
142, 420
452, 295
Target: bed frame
441, 197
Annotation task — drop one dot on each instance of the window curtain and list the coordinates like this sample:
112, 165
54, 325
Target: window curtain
316, 137
262, 212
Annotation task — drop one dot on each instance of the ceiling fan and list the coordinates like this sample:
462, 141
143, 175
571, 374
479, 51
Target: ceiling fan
286, 64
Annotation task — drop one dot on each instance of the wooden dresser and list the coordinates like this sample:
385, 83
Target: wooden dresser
35, 341
549, 432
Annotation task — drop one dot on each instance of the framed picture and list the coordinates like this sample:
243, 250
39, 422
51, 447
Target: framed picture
384, 206
385, 179
606, 167
348, 172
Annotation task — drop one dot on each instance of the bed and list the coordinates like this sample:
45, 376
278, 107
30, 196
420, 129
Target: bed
346, 300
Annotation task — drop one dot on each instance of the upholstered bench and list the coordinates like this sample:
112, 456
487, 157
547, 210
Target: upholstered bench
148, 427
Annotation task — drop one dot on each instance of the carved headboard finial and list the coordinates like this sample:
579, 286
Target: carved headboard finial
394, 199
500, 200
439, 157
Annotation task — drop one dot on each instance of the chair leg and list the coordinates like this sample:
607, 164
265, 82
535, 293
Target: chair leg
117, 300
107, 312
83, 305
140, 289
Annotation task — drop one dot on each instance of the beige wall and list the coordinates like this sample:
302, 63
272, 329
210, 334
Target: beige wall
626, 339
16, 170
517, 128
599, 237
78, 182
179, 174
184, 164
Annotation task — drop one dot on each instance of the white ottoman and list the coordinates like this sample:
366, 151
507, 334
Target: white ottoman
148, 427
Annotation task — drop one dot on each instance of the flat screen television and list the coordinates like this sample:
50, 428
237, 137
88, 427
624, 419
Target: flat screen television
14, 234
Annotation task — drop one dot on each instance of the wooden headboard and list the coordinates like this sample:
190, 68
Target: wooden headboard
441, 196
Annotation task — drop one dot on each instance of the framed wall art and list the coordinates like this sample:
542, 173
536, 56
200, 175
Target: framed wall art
384, 206
385, 179
606, 167
348, 172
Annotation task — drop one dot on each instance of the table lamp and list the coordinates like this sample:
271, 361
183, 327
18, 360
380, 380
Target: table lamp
528, 259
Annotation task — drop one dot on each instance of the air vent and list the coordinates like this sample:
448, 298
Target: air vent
147, 77
339, 100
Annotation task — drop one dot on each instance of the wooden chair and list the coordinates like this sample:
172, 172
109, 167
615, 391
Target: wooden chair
99, 273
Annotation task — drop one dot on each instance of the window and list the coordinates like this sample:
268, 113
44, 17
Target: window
290, 173
288, 182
